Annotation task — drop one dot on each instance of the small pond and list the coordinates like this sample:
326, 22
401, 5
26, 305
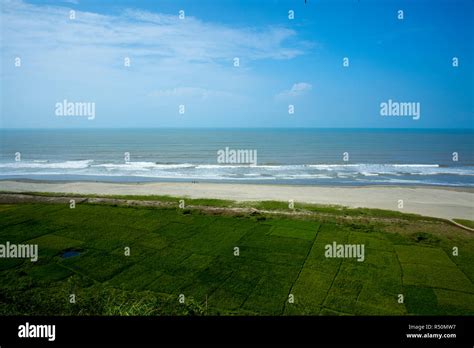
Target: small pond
70, 253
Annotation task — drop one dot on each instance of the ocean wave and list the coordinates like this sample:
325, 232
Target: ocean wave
369, 169
350, 172
217, 166
142, 166
416, 165
48, 165
369, 174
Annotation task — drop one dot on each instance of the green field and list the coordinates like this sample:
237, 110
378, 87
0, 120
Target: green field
191, 252
467, 223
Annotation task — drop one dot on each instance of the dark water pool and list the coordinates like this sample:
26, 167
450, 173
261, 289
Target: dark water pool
70, 253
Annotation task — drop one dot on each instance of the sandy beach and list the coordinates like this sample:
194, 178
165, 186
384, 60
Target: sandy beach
439, 202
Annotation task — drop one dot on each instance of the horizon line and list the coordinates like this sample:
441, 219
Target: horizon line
225, 128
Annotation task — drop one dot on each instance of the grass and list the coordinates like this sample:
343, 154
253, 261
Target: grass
335, 210
175, 252
467, 223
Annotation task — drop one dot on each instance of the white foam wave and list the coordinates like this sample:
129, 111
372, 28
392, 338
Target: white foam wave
142, 166
407, 173
47, 165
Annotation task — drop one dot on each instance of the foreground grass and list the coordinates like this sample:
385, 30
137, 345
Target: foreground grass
189, 252
336, 210
467, 223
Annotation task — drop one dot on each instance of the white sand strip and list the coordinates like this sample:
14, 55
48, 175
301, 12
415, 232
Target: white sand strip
429, 201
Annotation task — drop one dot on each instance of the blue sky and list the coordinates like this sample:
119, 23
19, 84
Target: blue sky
190, 62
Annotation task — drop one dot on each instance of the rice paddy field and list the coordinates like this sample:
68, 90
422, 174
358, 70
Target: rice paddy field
191, 252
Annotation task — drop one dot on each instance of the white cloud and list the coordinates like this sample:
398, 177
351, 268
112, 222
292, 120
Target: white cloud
296, 90
172, 60
141, 33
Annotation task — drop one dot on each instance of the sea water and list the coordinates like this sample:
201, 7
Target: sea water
282, 156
